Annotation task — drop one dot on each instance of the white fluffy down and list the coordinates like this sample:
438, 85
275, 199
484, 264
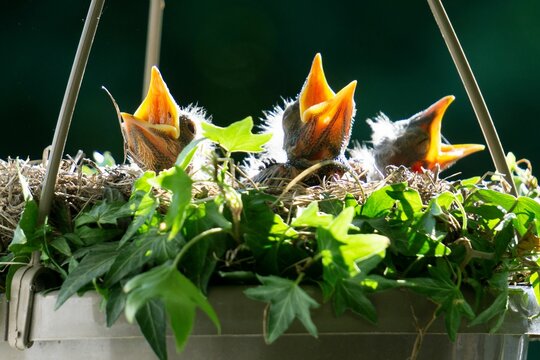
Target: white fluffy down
273, 149
206, 148
383, 128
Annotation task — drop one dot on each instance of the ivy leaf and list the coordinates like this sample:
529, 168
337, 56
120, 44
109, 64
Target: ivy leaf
287, 301
200, 261
237, 136
103, 213
116, 301
24, 241
142, 203
179, 296
379, 203
94, 235
60, 244
153, 324
267, 235
311, 216
442, 289
186, 155
179, 183
93, 265
409, 200
342, 252
349, 294
497, 309
128, 259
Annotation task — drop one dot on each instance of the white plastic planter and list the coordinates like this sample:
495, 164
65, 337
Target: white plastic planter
77, 331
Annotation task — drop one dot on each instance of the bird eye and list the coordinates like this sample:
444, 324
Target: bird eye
190, 126
422, 146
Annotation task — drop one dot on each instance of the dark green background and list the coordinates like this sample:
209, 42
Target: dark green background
237, 58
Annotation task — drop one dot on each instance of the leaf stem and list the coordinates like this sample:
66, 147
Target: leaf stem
193, 241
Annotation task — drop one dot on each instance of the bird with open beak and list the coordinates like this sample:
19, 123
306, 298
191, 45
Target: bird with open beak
415, 143
159, 129
313, 128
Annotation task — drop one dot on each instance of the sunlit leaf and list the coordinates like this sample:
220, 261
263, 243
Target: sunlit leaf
179, 183
179, 296
237, 136
311, 216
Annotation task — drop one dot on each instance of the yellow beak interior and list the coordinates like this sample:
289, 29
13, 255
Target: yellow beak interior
159, 109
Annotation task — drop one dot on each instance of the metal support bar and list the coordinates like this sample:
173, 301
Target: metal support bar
24, 282
473, 91
153, 40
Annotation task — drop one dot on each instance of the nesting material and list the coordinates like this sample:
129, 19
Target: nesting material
78, 189
74, 187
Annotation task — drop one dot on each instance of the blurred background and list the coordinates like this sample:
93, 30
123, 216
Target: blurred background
239, 57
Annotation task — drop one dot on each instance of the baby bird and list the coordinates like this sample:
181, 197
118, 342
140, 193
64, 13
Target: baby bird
313, 128
415, 143
159, 129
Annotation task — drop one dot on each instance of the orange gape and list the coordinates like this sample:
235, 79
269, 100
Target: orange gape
157, 132
417, 142
318, 125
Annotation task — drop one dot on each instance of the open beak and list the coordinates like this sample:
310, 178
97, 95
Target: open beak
438, 153
154, 127
326, 117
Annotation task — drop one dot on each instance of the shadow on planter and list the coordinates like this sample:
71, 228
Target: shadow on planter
77, 331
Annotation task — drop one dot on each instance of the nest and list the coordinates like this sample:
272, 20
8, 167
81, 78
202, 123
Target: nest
81, 183
74, 187
295, 192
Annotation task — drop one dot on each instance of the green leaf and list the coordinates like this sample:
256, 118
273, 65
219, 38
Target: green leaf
343, 252
359, 247
379, 203
61, 245
153, 324
128, 259
27, 192
267, 235
24, 240
186, 155
237, 136
116, 301
497, 308
142, 203
94, 235
103, 213
442, 289
93, 265
349, 294
179, 183
179, 296
311, 217
200, 261
287, 301
409, 200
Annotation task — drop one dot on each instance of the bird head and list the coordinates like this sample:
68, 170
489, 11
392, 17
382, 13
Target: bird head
417, 142
158, 130
317, 126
